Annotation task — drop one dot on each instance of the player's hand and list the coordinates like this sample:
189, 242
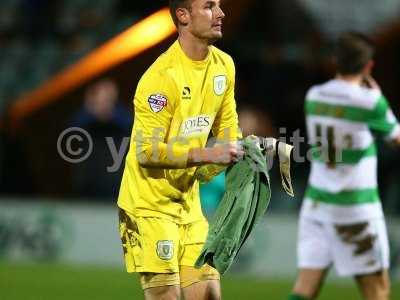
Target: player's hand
371, 83
397, 140
224, 154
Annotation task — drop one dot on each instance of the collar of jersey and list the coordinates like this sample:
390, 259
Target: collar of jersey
196, 63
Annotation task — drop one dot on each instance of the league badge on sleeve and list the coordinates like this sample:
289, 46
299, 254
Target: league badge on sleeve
157, 102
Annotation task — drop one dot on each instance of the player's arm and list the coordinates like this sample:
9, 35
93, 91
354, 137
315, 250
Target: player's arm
383, 121
154, 105
397, 140
225, 128
226, 125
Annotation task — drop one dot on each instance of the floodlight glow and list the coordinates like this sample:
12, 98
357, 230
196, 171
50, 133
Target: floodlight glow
132, 42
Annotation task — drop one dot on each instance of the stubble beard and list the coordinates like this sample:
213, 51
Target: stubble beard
211, 38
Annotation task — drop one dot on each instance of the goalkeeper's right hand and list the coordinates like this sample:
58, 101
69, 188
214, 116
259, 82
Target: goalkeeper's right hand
223, 154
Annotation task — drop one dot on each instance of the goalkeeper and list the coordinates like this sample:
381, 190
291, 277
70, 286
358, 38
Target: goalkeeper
187, 93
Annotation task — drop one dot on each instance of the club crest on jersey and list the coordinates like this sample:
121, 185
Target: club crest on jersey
157, 102
165, 249
219, 84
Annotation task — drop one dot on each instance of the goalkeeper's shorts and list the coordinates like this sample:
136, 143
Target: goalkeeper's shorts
163, 252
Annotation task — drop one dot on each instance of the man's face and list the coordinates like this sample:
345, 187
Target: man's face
206, 19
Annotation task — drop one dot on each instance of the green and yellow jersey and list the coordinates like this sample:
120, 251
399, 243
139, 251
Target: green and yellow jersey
178, 103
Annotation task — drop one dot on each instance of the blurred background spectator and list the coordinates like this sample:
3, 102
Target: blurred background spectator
102, 116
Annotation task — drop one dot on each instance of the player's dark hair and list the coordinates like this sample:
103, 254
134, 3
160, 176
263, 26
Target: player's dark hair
353, 51
174, 5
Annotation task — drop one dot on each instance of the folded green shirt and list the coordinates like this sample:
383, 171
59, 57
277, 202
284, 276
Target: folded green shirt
244, 202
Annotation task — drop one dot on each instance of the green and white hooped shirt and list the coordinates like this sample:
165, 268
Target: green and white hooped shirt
341, 119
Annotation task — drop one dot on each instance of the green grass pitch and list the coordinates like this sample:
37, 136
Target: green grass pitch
59, 282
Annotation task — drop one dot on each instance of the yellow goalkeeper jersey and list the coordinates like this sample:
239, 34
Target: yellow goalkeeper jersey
178, 103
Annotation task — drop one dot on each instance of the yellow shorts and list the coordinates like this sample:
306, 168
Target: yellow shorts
164, 252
